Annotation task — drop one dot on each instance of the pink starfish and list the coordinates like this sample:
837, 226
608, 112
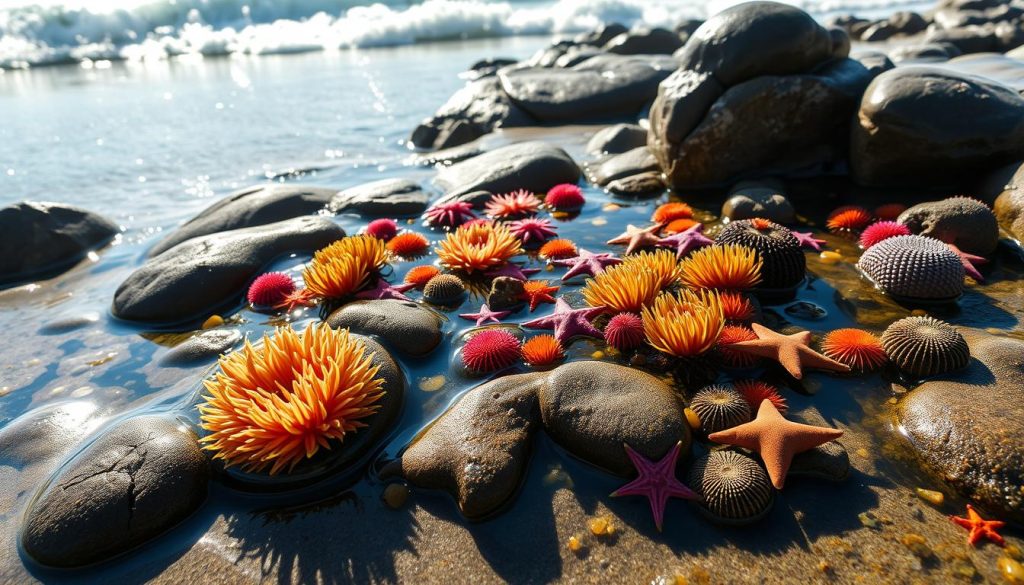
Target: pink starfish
969, 261
687, 240
383, 290
635, 238
657, 481
532, 229
587, 263
514, 270
568, 322
486, 315
808, 239
450, 214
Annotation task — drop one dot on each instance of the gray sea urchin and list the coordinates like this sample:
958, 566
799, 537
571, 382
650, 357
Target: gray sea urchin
925, 346
736, 490
914, 267
720, 408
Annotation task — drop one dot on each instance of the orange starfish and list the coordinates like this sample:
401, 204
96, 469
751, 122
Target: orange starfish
776, 439
295, 299
979, 527
537, 292
792, 351
635, 238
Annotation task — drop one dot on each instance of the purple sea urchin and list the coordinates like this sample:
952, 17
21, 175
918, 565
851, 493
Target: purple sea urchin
925, 346
783, 261
720, 408
914, 267
736, 490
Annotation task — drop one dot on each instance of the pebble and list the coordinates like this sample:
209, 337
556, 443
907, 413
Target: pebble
830, 257
395, 495
1011, 570
917, 545
213, 321
432, 383
601, 526
931, 496
574, 544
599, 221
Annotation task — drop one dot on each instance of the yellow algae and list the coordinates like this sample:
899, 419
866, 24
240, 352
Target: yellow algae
830, 257
213, 321
597, 355
1011, 570
931, 496
432, 383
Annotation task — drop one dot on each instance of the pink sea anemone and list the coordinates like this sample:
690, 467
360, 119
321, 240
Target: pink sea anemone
532, 230
625, 331
519, 203
490, 350
270, 289
882, 230
450, 215
382, 229
565, 197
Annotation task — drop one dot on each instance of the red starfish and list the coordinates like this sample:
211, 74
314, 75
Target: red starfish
657, 481
979, 527
537, 292
298, 298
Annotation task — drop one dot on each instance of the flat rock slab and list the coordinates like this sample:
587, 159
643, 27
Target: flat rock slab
136, 481
534, 166
967, 426
253, 206
387, 197
41, 240
404, 325
203, 275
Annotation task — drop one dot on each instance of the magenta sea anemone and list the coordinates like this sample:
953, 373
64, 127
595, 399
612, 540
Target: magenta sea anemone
450, 215
532, 230
382, 229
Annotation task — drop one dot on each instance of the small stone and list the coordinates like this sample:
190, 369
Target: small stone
868, 520
1011, 570
574, 544
917, 545
213, 321
395, 495
597, 355
506, 293
829, 257
432, 384
931, 496
601, 526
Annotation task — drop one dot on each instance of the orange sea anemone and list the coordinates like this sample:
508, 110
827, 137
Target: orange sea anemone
542, 350
408, 245
668, 212
661, 262
680, 225
622, 288
849, 218
737, 306
344, 267
558, 249
755, 392
279, 403
478, 247
730, 357
511, 205
421, 275
722, 267
685, 324
854, 347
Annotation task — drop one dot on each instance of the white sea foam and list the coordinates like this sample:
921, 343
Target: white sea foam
79, 30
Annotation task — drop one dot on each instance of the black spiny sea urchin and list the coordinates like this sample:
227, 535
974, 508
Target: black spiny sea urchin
914, 267
783, 260
720, 408
735, 488
925, 346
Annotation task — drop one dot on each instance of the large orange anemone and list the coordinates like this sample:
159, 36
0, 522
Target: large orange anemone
722, 267
279, 403
478, 247
621, 288
661, 262
344, 267
685, 324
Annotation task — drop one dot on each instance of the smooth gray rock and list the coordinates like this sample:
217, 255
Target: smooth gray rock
534, 166
829, 462
875, 62
753, 199
139, 479
404, 325
617, 139
249, 207
1005, 70
618, 166
203, 275
387, 197
968, 39
46, 432
646, 184
904, 133
920, 54
592, 408
966, 426
476, 109
204, 346
645, 41
601, 35
967, 223
41, 240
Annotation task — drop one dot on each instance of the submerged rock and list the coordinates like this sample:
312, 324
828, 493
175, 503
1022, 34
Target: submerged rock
619, 166
41, 240
592, 408
478, 108
647, 184
387, 197
140, 478
204, 346
829, 462
905, 134
755, 199
645, 41
964, 222
249, 207
534, 166
209, 273
966, 426
46, 432
478, 450
617, 139
404, 325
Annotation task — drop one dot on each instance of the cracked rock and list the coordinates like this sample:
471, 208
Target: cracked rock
140, 478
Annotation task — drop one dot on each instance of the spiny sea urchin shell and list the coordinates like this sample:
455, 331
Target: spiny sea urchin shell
382, 229
564, 197
737, 306
421, 275
542, 350
755, 392
722, 267
408, 245
625, 331
490, 350
279, 403
730, 357
668, 212
856, 348
443, 288
735, 488
784, 264
914, 267
270, 289
512, 205
925, 346
849, 218
880, 231
558, 249
720, 408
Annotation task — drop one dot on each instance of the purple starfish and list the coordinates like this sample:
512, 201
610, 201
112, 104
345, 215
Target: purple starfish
568, 322
587, 263
486, 315
514, 270
383, 290
808, 239
686, 241
657, 481
969, 261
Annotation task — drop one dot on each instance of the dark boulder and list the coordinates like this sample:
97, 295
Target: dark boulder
404, 325
534, 166
619, 166
478, 108
387, 197
601, 35
645, 41
617, 139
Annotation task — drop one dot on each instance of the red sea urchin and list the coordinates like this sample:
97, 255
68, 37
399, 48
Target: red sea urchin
382, 229
856, 348
756, 392
731, 358
542, 350
419, 276
625, 331
565, 197
512, 205
882, 230
270, 289
451, 214
532, 230
849, 218
490, 350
